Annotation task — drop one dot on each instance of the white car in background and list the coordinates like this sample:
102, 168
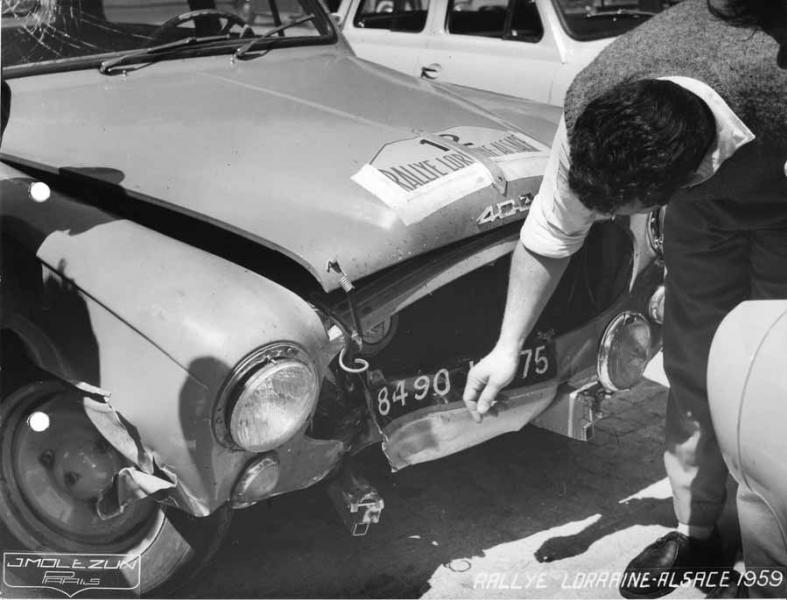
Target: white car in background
526, 48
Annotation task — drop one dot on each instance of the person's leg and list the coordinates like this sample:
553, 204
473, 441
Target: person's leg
708, 274
764, 547
718, 253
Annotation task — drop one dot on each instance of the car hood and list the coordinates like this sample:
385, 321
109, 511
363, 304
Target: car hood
310, 151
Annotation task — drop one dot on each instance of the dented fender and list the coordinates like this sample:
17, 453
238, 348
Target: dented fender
157, 323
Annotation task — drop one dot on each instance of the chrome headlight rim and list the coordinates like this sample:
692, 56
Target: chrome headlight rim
656, 305
654, 230
248, 366
621, 320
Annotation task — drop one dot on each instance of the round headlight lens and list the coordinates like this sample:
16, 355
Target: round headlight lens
624, 351
272, 404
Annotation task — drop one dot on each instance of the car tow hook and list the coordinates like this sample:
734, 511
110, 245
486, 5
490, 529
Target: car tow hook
358, 503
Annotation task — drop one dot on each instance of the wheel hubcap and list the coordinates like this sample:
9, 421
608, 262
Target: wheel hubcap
60, 472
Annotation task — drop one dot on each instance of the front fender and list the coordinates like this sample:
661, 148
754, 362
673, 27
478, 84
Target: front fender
158, 323
747, 384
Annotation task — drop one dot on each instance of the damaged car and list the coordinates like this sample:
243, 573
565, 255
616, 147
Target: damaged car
234, 255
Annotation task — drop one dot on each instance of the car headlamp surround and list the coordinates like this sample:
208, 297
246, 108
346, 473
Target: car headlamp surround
654, 230
276, 387
624, 351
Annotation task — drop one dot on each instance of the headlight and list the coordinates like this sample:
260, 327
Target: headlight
269, 396
624, 352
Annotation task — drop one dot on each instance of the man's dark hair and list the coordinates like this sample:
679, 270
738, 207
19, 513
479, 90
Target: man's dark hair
640, 141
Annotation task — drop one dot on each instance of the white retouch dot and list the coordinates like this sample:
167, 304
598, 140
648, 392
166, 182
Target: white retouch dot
38, 421
39, 191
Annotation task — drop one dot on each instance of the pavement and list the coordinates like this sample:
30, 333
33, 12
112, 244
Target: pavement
526, 515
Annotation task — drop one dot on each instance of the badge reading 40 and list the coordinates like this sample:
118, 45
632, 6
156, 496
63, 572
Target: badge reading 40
505, 209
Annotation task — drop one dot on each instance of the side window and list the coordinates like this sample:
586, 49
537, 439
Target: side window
505, 19
394, 15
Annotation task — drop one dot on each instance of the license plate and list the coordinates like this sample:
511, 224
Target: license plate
398, 397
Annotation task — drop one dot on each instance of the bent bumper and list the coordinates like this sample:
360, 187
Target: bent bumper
432, 433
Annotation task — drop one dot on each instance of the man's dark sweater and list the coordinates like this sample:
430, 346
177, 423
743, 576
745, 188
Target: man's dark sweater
739, 64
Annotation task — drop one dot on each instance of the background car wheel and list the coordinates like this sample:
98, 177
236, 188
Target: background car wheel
53, 464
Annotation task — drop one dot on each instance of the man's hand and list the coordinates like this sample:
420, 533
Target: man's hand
533, 279
492, 373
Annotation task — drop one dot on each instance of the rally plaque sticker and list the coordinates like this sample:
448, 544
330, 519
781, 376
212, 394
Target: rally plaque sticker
418, 176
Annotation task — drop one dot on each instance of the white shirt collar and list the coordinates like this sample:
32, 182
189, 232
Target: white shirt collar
731, 132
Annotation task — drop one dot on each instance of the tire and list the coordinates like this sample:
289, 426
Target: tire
171, 544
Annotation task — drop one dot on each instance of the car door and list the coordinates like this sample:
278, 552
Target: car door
389, 32
504, 46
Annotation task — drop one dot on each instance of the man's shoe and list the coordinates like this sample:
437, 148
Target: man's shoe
668, 563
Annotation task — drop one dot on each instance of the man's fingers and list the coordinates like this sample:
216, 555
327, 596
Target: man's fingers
473, 387
473, 408
480, 392
487, 398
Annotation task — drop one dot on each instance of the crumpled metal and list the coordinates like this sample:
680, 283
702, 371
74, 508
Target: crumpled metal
143, 478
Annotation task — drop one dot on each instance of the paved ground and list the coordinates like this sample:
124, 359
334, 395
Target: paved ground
527, 515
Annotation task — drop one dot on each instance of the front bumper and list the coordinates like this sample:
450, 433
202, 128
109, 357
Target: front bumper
434, 432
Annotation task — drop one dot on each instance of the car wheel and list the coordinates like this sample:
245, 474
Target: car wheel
54, 463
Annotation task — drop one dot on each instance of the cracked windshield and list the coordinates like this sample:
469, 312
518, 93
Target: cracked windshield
76, 33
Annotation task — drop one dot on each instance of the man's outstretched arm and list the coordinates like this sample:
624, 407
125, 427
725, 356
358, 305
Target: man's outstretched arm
531, 282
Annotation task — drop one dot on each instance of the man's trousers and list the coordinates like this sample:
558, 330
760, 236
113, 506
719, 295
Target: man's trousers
718, 252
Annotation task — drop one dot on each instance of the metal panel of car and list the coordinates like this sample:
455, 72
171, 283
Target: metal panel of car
747, 384
437, 432
155, 322
279, 149
535, 118
474, 60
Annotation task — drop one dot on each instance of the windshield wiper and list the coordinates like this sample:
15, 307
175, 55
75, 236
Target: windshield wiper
260, 41
620, 12
151, 51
